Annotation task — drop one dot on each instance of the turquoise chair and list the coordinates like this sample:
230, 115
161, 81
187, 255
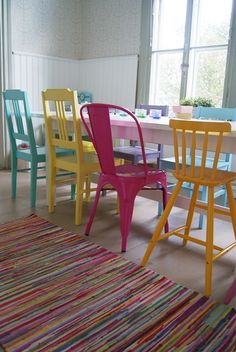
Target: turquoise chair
84, 97
206, 113
22, 140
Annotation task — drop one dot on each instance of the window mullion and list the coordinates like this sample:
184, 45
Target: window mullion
186, 49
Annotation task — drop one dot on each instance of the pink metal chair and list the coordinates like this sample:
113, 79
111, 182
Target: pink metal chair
127, 179
231, 293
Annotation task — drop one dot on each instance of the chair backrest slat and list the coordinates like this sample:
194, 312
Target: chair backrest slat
99, 117
217, 154
19, 119
99, 129
184, 161
193, 149
196, 135
218, 114
18, 116
204, 154
176, 150
62, 120
57, 121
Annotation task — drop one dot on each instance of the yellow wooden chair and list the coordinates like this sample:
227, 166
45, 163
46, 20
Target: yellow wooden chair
83, 160
195, 134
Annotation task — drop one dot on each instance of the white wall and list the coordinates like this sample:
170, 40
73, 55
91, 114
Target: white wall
77, 29
111, 79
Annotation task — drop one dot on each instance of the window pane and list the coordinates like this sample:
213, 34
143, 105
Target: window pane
169, 24
206, 74
165, 78
211, 22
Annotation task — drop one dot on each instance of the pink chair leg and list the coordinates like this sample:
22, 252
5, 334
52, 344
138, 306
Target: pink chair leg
230, 293
165, 200
94, 208
126, 212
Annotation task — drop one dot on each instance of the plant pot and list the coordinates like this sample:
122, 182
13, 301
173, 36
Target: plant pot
183, 111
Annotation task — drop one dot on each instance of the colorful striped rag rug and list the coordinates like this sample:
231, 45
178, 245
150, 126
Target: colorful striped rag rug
60, 292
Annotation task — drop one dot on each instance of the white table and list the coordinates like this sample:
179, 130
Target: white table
158, 131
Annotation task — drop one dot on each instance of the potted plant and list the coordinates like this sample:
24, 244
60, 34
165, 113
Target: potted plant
201, 101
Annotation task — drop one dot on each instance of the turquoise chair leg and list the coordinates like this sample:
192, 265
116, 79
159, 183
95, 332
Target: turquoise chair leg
73, 192
224, 198
160, 208
190, 190
13, 176
33, 184
202, 217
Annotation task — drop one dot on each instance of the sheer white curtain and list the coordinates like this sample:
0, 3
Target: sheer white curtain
145, 52
5, 66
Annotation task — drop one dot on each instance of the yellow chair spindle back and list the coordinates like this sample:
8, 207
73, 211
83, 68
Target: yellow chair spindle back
204, 155
184, 152
193, 150
188, 131
176, 151
62, 121
57, 119
217, 154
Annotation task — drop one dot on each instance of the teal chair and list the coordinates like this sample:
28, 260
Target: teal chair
22, 140
206, 113
84, 97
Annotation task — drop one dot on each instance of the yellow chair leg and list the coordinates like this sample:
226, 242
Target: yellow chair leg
79, 200
161, 223
232, 206
191, 212
87, 187
209, 242
51, 188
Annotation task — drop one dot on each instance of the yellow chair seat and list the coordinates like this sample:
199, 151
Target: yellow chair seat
88, 146
69, 162
220, 178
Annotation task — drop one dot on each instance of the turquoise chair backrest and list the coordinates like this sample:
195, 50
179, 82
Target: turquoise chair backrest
223, 114
84, 97
18, 118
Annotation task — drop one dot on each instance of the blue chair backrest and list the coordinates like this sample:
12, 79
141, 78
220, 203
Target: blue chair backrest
18, 118
164, 108
84, 97
223, 114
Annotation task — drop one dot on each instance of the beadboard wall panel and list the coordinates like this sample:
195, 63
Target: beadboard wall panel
111, 79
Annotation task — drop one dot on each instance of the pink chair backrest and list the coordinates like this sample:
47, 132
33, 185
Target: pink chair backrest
100, 133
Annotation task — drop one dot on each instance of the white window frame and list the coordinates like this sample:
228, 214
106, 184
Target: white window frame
186, 50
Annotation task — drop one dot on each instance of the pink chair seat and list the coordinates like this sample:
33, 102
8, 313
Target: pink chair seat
128, 170
126, 179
